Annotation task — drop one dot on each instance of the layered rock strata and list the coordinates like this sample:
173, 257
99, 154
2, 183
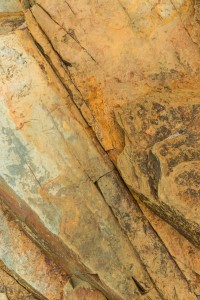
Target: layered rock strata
89, 89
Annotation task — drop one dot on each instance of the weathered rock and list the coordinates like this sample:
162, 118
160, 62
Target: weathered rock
25, 261
74, 35
153, 253
45, 183
161, 158
10, 22
3, 296
117, 51
181, 250
10, 6
10, 16
81, 290
10, 289
55, 177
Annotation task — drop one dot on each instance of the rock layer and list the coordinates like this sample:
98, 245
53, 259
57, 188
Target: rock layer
26, 262
117, 51
84, 83
10, 289
161, 158
82, 224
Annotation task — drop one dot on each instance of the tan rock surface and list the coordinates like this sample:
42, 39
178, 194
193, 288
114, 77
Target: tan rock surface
87, 240
131, 69
153, 253
26, 262
117, 51
81, 290
142, 24
10, 289
161, 158
183, 252
10, 22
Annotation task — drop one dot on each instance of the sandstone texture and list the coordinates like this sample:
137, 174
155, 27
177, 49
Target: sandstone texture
11, 289
161, 158
99, 150
117, 51
23, 260
60, 198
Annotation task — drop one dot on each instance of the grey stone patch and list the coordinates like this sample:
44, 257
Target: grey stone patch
9, 6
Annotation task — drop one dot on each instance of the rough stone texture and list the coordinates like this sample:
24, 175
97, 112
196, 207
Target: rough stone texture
27, 263
117, 51
161, 157
10, 289
81, 290
10, 22
11, 16
89, 241
184, 253
9, 6
125, 73
166, 70
152, 251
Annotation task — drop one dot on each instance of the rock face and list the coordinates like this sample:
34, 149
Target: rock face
119, 51
10, 6
81, 290
60, 198
99, 150
23, 260
12, 289
161, 158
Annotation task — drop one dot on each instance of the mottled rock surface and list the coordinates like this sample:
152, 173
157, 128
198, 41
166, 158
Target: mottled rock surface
59, 198
27, 263
117, 51
161, 158
10, 289
81, 290
10, 23
10, 6
99, 149
183, 252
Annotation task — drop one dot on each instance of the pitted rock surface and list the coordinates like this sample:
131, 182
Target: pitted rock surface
161, 157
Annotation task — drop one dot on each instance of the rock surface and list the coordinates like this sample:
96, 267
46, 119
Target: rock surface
117, 51
10, 6
183, 252
161, 158
10, 289
90, 88
81, 290
22, 259
59, 198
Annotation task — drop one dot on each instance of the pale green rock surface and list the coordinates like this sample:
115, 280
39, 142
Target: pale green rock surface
9, 6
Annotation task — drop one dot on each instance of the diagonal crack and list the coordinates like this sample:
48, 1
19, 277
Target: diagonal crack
71, 33
70, 8
125, 10
64, 64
